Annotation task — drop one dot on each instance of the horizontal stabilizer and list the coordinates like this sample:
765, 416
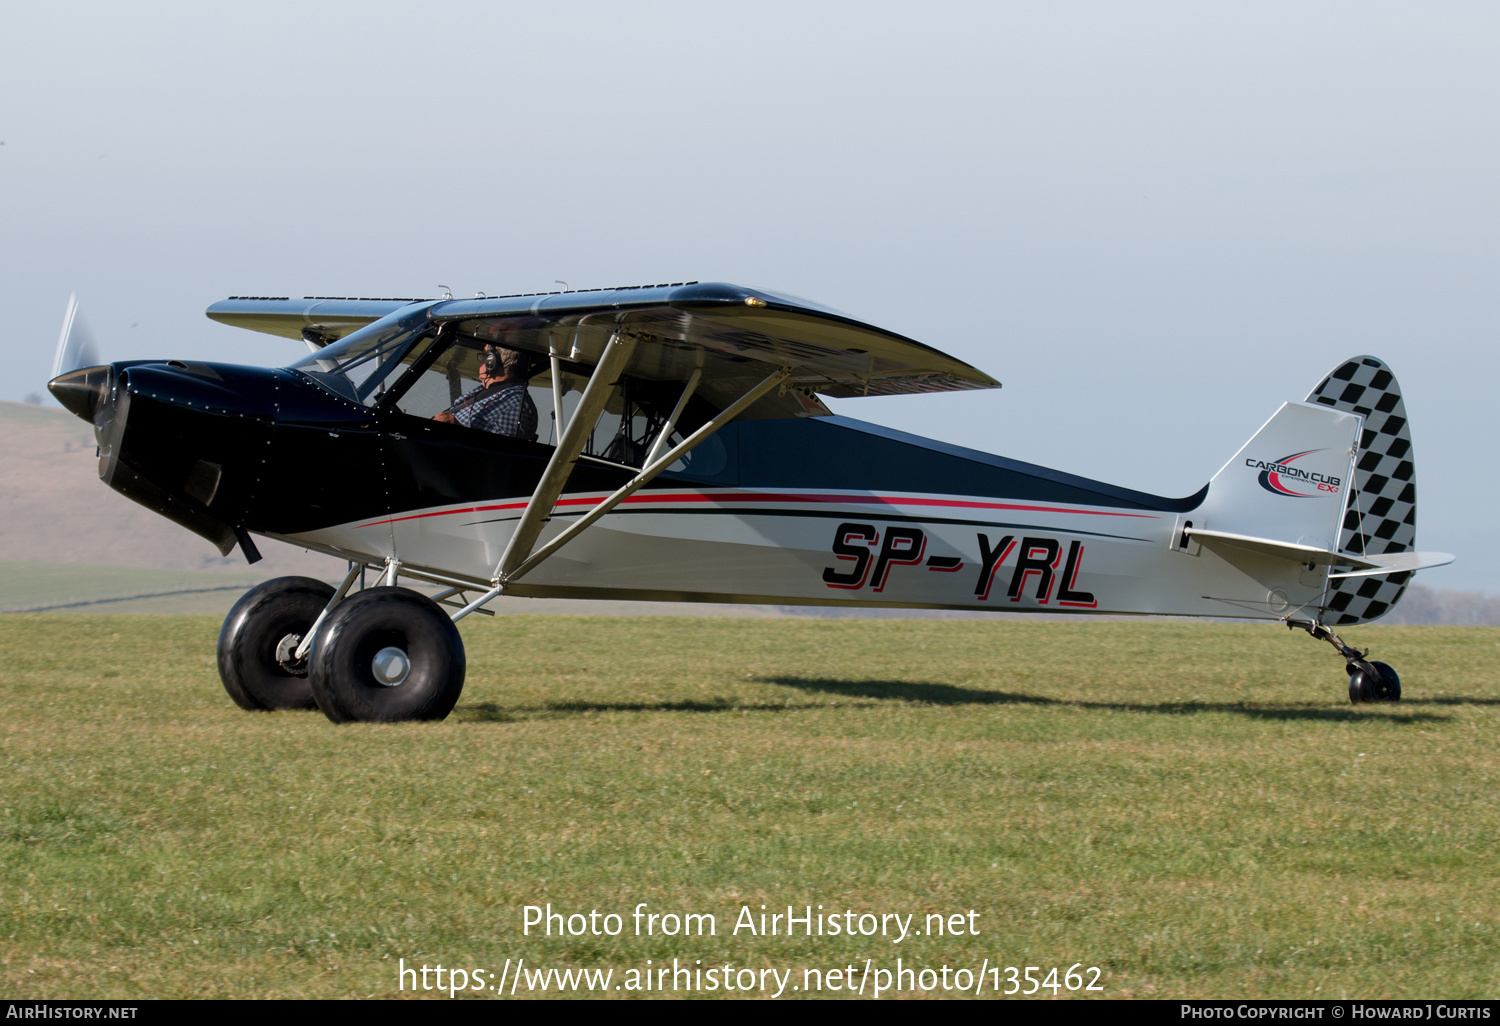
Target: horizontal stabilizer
1396, 563
1304, 554
1311, 555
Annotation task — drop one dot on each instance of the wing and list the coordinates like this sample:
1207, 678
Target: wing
729, 334
317, 320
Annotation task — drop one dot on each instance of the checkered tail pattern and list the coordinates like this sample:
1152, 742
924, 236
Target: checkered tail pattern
1380, 512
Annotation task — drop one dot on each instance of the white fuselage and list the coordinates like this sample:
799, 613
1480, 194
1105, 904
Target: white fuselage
850, 548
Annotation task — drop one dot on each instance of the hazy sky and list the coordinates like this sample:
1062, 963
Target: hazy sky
1153, 222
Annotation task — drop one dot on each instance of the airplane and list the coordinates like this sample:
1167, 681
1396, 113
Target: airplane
681, 452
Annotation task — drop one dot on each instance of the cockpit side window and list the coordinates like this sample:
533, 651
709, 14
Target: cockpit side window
364, 365
630, 424
632, 419
453, 374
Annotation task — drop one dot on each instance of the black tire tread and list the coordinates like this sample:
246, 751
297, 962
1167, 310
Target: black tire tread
339, 673
247, 642
1363, 687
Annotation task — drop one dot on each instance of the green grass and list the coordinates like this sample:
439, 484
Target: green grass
1194, 808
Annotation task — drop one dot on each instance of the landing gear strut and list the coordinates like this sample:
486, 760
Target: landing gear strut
1368, 681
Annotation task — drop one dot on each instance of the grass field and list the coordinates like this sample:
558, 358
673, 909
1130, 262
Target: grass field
1193, 808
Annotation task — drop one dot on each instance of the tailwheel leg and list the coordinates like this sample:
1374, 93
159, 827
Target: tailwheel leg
1369, 681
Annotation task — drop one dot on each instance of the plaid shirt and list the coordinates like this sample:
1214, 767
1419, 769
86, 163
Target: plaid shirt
501, 409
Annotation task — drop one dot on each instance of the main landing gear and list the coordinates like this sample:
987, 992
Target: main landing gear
259, 639
1369, 681
383, 654
387, 654
390, 653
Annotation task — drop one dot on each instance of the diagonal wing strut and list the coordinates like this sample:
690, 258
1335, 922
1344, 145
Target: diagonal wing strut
519, 559
595, 395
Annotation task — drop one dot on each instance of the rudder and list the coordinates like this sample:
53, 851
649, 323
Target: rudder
1380, 514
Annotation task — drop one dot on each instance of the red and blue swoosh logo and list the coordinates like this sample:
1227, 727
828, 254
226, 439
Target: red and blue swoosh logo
1270, 478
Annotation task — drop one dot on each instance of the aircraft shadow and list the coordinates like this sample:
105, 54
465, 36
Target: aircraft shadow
949, 694
1450, 700
872, 692
494, 712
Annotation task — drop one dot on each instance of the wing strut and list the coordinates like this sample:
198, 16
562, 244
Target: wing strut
569, 445
519, 559
666, 429
647, 473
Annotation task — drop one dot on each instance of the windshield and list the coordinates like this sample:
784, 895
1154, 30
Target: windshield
362, 366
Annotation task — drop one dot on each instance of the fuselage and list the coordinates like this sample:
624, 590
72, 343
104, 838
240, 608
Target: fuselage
798, 510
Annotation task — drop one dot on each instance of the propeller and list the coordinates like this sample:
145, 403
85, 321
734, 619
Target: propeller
79, 382
76, 347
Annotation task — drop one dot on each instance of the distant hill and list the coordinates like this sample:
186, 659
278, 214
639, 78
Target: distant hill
1460, 608
54, 508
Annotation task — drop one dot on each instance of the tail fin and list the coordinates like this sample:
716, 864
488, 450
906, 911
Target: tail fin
1343, 497
1287, 485
1381, 513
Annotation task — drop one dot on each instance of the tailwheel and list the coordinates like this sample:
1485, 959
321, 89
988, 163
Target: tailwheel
1373, 682
1368, 681
259, 640
384, 655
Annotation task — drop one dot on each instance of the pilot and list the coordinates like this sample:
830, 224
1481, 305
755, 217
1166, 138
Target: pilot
500, 405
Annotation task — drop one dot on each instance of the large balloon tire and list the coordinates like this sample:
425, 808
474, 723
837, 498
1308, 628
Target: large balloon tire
342, 665
260, 621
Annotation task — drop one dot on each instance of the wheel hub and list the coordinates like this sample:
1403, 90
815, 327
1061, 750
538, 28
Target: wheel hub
286, 655
391, 666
